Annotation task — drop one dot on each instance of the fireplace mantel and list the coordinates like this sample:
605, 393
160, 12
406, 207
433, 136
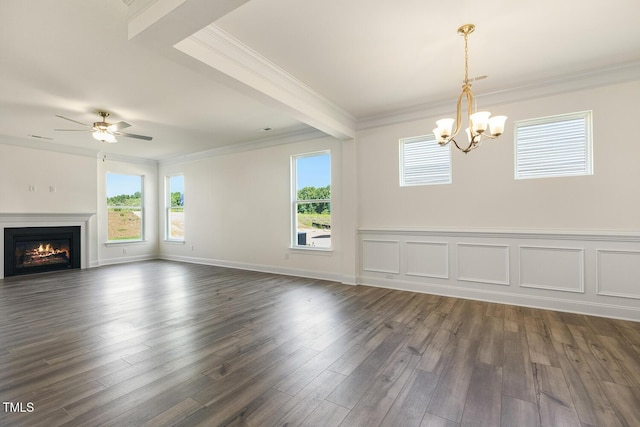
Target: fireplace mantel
46, 219
43, 217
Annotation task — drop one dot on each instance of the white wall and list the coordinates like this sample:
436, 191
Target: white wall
74, 178
569, 244
484, 193
237, 212
34, 181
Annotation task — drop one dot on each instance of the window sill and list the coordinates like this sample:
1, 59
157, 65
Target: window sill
124, 242
174, 241
311, 250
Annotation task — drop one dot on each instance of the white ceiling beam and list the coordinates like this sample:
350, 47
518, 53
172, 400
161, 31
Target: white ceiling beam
167, 22
221, 51
188, 26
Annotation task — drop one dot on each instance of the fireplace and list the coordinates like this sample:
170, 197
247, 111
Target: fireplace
38, 249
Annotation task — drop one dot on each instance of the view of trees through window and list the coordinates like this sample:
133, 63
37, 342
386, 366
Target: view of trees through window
124, 207
175, 207
312, 204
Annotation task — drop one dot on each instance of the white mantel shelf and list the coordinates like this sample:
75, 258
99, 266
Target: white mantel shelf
43, 217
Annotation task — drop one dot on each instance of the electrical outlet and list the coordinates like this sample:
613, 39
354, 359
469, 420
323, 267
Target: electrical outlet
193, 248
124, 251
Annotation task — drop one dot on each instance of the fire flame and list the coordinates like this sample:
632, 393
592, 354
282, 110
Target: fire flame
47, 250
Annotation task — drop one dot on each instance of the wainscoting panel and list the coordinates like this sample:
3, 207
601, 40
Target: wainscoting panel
558, 269
619, 273
381, 256
483, 263
427, 259
596, 273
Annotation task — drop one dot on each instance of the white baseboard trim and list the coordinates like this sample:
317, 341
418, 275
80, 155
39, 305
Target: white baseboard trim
501, 297
128, 259
258, 267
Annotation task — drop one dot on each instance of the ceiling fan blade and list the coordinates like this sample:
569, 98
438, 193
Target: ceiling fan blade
72, 130
41, 137
133, 135
74, 121
118, 126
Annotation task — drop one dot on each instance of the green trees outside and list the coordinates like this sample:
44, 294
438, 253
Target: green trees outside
134, 199
176, 199
314, 214
314, 193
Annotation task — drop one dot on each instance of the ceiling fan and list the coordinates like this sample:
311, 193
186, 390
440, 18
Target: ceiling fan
103, 131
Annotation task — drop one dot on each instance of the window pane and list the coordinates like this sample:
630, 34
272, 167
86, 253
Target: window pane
314, 173
175, 211
124, 207
554, 146
312, 197
423, 161
314, 224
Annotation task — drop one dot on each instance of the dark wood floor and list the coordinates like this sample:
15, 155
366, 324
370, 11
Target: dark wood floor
163, 343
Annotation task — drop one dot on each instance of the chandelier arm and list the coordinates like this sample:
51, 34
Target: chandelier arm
458, 116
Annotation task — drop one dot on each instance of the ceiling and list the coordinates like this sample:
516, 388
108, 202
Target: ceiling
201, 75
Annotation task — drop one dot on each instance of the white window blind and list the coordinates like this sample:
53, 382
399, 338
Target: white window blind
553, 146
423, 161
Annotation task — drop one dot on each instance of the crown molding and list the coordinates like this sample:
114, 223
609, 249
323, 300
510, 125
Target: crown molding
76, 151
537, 89
289, 138
46, 146
223, 52
125, 159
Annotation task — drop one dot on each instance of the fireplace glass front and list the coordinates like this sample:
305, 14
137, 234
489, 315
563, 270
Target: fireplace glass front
39, 249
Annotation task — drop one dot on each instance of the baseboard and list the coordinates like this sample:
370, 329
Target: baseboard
540, 302
128, 259
258, 267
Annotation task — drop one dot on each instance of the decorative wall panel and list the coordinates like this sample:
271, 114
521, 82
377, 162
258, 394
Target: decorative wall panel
483, 263
381, 256
580, 272
554, 268
619, 273
427, 259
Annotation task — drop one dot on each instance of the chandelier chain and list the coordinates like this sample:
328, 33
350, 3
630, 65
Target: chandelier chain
466, 59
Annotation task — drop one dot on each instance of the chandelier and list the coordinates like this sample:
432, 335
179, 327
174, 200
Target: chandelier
481, 125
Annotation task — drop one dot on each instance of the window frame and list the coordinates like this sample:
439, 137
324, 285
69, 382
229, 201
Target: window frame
557, 120
431, 177
168, 206
141, 208
295, 201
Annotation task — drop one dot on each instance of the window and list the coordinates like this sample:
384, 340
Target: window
174, 207
553, 146
423, 161
125, 211
311, 207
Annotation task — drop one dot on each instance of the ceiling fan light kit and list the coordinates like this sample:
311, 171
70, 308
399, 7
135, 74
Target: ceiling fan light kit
104, 131
479, 122
101, 129
104, 136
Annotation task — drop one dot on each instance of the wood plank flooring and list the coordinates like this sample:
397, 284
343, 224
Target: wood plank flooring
162, 343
